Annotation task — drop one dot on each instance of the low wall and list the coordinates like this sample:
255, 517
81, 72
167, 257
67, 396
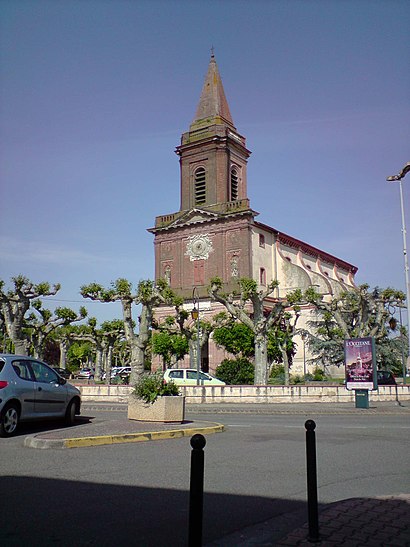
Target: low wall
254, 394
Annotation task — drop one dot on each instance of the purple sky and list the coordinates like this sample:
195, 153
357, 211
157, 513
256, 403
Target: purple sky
95, 94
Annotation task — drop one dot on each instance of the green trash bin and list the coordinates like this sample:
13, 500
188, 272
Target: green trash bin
362, 398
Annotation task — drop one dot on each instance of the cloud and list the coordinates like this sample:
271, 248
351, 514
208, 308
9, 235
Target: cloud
40, 253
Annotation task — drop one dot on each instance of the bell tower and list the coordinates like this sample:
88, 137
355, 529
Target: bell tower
213, 155
210, 235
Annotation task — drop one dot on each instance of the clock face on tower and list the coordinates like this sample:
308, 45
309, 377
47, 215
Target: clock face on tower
198, 247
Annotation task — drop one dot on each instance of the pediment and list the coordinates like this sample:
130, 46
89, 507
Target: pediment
194, 216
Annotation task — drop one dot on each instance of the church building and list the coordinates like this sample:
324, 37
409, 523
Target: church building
215, 231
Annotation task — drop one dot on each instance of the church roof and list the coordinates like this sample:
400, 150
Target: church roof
213, 107
291, 241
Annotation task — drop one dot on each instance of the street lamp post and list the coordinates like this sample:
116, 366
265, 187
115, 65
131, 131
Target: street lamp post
304, 356
398, 178
195, 316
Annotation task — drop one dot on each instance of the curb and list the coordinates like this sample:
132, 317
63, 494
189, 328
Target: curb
38, 442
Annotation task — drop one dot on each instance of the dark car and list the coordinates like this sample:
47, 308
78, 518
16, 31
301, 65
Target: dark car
385, 378
63, 372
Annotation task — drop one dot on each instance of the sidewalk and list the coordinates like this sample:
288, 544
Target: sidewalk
357, 522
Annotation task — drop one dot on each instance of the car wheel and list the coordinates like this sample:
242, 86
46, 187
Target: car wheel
70, 413
9, 421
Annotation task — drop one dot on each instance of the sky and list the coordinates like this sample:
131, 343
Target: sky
95, 94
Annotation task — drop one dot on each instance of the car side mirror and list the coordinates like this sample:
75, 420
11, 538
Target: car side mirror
62, 381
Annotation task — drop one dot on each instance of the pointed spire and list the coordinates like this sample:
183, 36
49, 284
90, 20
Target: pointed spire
213, 107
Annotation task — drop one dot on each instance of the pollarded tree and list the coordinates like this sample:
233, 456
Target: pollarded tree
43, 323
148, 295
184, 332
280, 341
250, 308
239, 340
112, 333
16, 302
92, 336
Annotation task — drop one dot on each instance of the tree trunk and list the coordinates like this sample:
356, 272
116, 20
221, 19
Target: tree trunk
20, 346
137, 361
63, 353
98, 360
285, 365
261, 360
108, 366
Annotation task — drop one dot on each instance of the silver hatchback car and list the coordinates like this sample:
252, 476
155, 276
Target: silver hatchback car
32, 390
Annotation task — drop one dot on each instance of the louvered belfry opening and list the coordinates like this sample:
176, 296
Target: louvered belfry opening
200, 186
234, 184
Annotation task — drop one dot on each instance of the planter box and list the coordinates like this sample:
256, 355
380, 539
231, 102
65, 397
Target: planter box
165, 409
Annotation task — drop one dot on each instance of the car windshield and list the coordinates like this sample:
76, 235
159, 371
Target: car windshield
193, 375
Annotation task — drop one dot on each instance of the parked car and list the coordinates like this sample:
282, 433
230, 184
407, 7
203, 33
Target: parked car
122, 372
32, 390
188, 377
87, 373
63, 372
385, 378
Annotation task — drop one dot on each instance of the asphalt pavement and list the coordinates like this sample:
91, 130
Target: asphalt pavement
368, 522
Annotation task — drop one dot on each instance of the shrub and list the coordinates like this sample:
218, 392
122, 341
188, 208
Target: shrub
236, 371
152, 386
277, 375
297, 379
319, 374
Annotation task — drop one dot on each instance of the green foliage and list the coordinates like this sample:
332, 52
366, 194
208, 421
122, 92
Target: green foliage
123, 287
168, 345
216, 282
152, 386
294, 297
391, 352
236, 338
24, 286
318, 375
297, 379
145, 291
79, 353
277, 375
248, 287
279, 338
236, 371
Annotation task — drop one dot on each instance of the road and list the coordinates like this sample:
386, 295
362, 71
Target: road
138, 493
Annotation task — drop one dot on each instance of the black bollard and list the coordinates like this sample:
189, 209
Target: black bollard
313, 515
196, 493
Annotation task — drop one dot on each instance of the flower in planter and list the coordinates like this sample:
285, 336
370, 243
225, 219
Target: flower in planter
152, 386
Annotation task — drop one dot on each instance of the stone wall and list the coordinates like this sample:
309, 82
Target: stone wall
254, 394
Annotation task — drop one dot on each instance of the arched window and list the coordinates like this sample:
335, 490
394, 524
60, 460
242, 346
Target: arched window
200, 186
234, 184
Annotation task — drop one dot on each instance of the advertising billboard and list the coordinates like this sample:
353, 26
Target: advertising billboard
360, 363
